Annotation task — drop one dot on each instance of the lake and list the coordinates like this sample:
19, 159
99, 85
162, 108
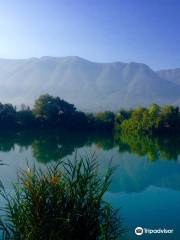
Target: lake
146, 182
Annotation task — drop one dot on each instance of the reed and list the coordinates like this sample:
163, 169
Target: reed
63, 202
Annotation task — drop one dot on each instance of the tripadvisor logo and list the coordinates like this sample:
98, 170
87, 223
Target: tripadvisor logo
139, 231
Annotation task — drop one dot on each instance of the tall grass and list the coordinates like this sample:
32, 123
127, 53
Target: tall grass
64, 202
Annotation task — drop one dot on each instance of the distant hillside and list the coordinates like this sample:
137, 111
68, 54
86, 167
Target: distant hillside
172, 75
90, 86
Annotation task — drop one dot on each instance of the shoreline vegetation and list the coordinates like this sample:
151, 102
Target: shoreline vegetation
62, 202
53, 112
149, 121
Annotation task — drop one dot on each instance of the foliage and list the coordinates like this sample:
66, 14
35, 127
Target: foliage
52, 110
121, 116
7, 116
25, 119
105, 120
64, 202
152, 120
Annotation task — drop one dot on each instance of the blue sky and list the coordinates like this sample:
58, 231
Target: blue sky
145, 31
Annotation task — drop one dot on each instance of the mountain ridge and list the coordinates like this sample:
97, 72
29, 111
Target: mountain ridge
89, 85
170, 74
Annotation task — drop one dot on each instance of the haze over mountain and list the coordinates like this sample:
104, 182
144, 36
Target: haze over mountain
172, 75
90, 86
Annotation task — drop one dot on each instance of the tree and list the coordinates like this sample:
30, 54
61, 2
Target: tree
25, 119
154, 110
7, 116
105, 120
52, 110
170, 117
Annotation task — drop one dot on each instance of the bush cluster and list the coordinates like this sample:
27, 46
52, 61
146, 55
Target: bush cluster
65, 202
150, 120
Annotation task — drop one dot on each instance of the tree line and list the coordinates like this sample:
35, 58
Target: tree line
53, 112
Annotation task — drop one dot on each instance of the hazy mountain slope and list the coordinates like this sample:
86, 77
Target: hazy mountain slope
172, 75
89, 85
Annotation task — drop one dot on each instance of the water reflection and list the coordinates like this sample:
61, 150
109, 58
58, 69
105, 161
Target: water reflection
162, 147
53, 145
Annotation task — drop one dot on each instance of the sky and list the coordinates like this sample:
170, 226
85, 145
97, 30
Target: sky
146, 31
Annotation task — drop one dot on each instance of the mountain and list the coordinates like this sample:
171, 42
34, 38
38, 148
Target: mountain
90, 86
172, 75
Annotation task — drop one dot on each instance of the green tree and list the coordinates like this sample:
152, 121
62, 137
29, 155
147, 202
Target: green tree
52, 109
25, 119
154, 110
170, 117
105, 120
7, 116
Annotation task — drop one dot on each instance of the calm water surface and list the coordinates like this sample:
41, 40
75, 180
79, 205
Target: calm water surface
145, 185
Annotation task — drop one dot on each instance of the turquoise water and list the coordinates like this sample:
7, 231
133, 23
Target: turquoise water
146, 182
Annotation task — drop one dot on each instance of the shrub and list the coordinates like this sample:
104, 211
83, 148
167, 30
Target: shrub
63, 202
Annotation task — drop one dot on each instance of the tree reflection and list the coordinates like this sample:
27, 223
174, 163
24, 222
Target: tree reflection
163, 147
54, 145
